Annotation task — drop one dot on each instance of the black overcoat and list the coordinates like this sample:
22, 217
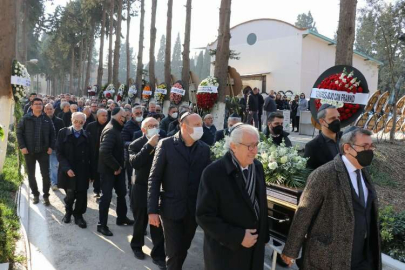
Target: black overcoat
225, 211
75, 156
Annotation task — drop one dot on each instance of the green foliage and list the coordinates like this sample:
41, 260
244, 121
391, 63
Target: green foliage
177, 62
10, 180
306, 21
122, 71
392, 228
160, 61
379, 177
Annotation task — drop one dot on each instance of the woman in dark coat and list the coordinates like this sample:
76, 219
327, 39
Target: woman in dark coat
279, 102
76, 167
294, 107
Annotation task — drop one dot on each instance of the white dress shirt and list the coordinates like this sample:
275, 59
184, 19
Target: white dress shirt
353, 177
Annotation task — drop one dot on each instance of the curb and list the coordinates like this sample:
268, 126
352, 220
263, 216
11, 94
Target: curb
23, 204
391, 264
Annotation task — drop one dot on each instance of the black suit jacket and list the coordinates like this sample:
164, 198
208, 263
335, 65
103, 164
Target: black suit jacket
111, 152
141, 155
177, 169
225, 211
317, 152
220, 134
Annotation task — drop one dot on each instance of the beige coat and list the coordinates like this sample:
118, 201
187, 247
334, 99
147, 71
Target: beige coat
324, 220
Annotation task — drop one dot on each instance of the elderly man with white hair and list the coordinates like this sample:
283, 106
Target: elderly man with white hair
89, 116
232, 205
76, 167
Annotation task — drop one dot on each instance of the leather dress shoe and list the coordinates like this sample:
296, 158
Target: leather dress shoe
160, 263
80, 222
67, 218
125, 221
47, 202
139, 254
35, 200
104, 230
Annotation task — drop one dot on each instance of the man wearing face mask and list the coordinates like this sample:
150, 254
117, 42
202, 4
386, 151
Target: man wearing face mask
324, 147
275, 130
141, 153
171, 116
111, 169
174, 179
76, 167
337, 218
127, 134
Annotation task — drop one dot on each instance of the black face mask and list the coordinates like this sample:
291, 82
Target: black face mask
278, 130
334, 126
364, 157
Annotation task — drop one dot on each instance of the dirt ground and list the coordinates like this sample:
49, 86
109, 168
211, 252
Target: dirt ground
390, 167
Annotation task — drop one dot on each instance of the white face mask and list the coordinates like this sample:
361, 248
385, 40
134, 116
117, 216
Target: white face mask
152, 132
197, 133
174, 115
139, 118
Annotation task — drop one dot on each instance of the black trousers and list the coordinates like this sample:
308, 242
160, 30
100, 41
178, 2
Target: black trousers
43, 160
128, 171
109, 181
297, 122
259, 116
156, 233
178, 235
81, 202
96, 184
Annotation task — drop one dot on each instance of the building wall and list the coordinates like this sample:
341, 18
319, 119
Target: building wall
318, 56
277, 52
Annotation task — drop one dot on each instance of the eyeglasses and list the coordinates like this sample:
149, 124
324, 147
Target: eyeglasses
371, 147
153, 126
138, 113
251, 147
80, 122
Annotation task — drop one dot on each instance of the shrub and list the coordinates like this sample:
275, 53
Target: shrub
393, 233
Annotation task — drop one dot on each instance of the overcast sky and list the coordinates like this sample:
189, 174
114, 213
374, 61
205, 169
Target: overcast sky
205, 17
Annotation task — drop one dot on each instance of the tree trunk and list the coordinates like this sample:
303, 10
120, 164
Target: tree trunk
83, 64
81, 59
168, 51
127, 42
222, 54
110, 50
22, 31
101, 52
152, 77
139, 67
89, 58
72, 68
185, 76
346, 32
117, 45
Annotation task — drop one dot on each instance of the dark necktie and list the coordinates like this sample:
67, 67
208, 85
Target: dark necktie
246, 173
360, 187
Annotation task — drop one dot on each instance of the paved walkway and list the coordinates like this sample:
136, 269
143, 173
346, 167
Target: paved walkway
55, 245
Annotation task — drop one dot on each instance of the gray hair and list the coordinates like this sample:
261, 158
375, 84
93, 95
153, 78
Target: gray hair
73, 105
137, 107
237, 133
144, 122
236, 119
86, 108
76, 114
322, 114
350, 137
64, 104
152, 103
101, 111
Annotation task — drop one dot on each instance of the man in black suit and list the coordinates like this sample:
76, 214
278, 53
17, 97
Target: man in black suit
325, 146
232, 206
232, 120
141, 153
112, 174
95, 129
174, 178
274, 129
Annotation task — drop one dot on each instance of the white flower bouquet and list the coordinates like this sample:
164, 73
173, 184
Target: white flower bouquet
132, 91
282, 165
20, 80
109, 91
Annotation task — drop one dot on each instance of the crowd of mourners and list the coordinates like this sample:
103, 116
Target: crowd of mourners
162, 162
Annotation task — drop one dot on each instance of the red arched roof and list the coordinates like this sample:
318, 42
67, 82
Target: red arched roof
261, 19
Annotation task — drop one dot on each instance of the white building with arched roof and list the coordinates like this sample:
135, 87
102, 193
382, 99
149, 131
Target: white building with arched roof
276, 55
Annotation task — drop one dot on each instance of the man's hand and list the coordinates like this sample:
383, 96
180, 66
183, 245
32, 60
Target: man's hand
250, 238
71, 173
49, 151
154, 220
118, 172
288, 260
24, 151
154, 140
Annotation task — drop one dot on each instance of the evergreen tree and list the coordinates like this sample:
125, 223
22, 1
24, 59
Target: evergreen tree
160, 61
199, 65
122, 72
366, 34
176, 59
206, 69
306, 21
